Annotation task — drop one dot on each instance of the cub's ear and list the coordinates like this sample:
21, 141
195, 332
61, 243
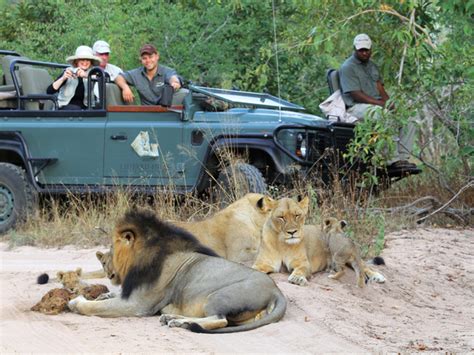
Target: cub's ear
327, 222
343, 223
266, 204
60, 275
78, 271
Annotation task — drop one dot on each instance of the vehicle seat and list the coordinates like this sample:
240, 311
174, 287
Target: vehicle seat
178, 97
8, 93
7, 96
35, 81
6, 61
113, 95
332, 77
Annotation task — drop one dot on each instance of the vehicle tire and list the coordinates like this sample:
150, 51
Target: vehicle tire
18, 199
236, 180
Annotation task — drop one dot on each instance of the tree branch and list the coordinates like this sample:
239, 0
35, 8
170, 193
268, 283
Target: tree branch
396, 14
405, 47
465, 187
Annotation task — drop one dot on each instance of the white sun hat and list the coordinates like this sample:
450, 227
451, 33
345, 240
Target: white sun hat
362, 41
84, 52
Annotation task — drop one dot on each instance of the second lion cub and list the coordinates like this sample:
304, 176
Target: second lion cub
342, 250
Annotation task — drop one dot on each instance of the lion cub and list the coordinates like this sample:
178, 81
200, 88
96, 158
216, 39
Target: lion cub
342, 250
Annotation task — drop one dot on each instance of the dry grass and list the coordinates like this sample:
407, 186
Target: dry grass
87, 220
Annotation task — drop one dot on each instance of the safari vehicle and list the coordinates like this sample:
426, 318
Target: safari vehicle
44, 150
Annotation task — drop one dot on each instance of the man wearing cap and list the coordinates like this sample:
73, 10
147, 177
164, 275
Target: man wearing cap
102, 50
150, 80
362, 88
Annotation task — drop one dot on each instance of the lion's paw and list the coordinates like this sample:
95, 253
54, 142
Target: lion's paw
298, 280
165, 319
72, 304
106, 296
179, 323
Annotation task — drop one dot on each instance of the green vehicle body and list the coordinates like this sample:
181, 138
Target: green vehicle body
90, 150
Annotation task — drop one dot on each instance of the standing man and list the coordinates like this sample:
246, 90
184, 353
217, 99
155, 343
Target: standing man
362, 88
151, 80
102, 50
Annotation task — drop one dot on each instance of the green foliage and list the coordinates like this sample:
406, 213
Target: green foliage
282, 47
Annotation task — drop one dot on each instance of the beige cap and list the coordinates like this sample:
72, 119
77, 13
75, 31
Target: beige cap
362, 41
101, 47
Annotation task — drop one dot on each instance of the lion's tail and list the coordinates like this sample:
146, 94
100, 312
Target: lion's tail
373, 275
278, 308
43, 279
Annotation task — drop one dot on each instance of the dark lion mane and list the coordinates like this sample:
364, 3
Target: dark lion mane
161, 239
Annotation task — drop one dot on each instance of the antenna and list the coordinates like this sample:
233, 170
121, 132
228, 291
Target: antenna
276, 57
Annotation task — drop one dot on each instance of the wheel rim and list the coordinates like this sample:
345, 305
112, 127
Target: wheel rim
7, 204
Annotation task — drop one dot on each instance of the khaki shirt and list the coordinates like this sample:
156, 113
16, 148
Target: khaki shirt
150, 91
355, 75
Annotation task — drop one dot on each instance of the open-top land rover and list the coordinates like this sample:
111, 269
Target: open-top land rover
182, 147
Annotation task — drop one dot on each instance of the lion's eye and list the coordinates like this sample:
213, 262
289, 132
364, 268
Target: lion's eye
297, 215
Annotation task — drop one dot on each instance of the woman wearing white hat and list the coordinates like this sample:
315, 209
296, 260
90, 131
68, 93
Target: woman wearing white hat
71, 86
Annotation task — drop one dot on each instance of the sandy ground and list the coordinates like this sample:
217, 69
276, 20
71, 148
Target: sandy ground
427, 304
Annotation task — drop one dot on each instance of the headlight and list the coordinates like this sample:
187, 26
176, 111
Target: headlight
301, 147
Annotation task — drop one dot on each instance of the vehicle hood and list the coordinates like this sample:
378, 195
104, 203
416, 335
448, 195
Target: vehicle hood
243, 115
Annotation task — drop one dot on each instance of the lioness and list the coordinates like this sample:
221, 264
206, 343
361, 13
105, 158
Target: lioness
301, 248
234, 232
107, 266
342, 250
164, 269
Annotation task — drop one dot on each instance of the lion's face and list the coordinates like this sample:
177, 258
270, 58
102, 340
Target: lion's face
288, 219
70, 279
108, 266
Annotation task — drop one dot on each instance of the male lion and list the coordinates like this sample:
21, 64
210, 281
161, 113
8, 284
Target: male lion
164, 269
233, 233
301, 248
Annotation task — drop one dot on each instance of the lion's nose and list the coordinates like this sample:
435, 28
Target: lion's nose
292, 233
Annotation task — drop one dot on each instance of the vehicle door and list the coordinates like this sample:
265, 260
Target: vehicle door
72, 141
124, 165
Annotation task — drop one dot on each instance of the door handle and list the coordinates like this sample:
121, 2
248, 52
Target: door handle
119, 137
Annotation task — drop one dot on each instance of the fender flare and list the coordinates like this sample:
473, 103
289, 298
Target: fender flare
263, 143
13, 141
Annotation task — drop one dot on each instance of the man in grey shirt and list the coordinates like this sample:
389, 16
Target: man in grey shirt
362, 88
150, 80
361, 83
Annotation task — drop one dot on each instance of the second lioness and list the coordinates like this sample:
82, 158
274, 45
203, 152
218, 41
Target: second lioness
234, 233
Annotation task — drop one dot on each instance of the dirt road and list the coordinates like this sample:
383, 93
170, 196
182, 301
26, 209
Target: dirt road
426, 304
